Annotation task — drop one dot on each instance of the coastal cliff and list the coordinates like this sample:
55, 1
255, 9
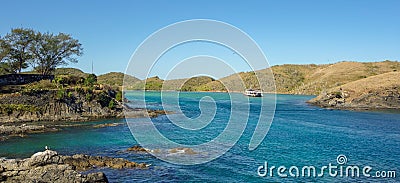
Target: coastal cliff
59, 105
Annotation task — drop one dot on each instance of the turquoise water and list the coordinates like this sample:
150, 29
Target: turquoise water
300, 135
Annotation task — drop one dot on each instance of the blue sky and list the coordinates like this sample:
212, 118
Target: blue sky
289, 32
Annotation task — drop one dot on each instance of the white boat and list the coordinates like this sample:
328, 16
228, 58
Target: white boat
253, 93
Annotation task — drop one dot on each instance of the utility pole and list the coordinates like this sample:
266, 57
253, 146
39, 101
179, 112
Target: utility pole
92, 66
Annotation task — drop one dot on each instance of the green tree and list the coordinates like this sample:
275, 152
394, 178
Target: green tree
51, 50
15, 50
90, 80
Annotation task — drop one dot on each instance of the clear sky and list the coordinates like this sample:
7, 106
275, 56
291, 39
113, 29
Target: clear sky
289, 32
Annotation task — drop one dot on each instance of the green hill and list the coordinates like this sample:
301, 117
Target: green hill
191, 84
115, 79
70, 71
310, 79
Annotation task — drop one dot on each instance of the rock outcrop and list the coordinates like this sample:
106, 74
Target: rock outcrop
84, 162
45, 166
137, 148
21, 129
49, 166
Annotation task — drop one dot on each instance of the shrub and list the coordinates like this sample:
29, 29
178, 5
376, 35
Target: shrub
103, 99
79, 90
10, 108
69, 94
118, 96
338, 94
60, 94
41, 85
90, 80
88, 97
111, 104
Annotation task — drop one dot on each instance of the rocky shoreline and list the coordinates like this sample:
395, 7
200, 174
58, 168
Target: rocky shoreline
23, 129
49, 166
384, 100
38, 111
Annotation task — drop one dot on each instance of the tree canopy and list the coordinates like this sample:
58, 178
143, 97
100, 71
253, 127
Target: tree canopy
15, 50
43, 51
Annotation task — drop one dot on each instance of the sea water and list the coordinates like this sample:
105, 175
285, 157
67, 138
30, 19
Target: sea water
300, 136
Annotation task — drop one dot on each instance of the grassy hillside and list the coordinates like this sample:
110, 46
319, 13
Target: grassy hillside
70, 71
307, 79
332, 75
379, 91
196, 84
191, 84
291, 79
153, 83
115, 79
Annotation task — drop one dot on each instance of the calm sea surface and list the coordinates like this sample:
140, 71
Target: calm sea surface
300, 135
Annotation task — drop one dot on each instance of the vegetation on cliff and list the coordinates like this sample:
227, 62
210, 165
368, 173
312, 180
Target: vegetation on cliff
67, 97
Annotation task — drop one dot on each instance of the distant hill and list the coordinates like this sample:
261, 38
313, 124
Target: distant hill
332, 75
70, 71
344, 84
153, 83
310, 79
189, 84
115, 79
379, 91
111, 78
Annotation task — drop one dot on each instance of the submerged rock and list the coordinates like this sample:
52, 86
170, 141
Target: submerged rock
183, 150
107, 125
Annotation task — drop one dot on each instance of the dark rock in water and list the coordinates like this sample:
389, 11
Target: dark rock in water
49, 166
96, 177
12, 129
141, 112
137, 148
107, 125
84, 162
